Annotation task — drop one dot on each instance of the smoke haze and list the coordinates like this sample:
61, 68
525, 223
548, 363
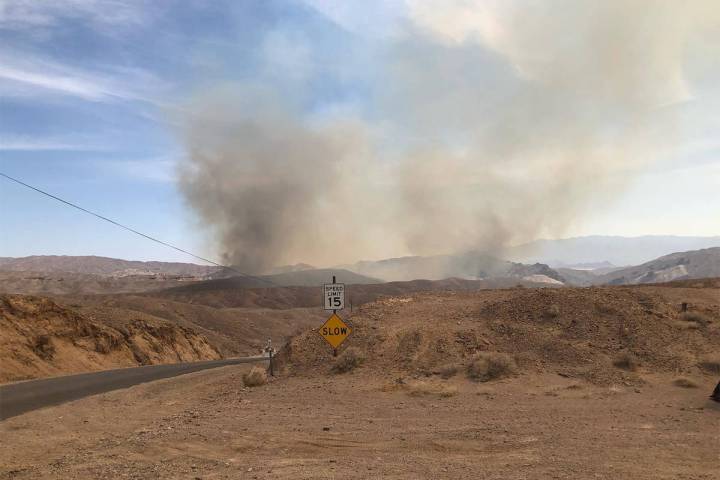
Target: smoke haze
483, 125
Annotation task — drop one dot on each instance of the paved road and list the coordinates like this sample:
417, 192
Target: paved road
21, 397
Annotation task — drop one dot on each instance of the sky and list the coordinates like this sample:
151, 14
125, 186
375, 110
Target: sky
100, 101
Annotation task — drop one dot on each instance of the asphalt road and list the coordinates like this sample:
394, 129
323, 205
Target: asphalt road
21, 397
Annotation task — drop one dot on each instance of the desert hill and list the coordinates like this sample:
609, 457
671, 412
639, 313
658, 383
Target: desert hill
583, 333
470, 265
69, 283
676, 266
228, 293
97, 275
238, 321
39, 338
597, 248
103, 266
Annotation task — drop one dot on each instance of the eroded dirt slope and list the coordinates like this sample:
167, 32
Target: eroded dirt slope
577, 332
39, 338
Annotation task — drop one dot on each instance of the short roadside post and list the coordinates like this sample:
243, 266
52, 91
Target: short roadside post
269, 349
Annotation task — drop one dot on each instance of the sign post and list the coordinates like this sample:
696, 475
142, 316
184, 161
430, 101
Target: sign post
334, 296
334, 330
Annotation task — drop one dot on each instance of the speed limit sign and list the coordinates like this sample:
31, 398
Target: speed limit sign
334, 295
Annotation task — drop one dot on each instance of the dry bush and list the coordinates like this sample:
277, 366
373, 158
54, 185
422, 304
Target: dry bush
418, 388
448, 371
255, 377
684, 383
553, 311
490, 366
695, 317
626, 361
43, 347
710, 365
684, 325
604, 309
348, 361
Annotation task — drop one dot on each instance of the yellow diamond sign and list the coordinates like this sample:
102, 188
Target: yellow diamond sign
335, 331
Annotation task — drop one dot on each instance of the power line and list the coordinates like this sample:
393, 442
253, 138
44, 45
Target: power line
133, 230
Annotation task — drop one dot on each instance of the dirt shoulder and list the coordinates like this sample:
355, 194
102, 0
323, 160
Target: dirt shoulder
358, 425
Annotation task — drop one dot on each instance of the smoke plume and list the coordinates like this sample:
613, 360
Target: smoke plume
485, 124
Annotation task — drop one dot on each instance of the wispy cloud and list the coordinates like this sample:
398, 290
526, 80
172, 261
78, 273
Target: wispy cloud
99, 14
30, 76
29, 144
160, 169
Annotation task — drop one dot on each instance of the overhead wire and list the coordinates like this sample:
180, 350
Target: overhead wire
148, 237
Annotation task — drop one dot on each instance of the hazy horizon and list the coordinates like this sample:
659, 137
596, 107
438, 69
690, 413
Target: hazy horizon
279, 132
532, 253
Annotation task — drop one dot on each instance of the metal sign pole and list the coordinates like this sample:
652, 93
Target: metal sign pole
334, 312
334, 330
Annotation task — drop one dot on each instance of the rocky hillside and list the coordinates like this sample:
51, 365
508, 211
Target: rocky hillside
63, 275
676, 266
103, 266
603, 335
597, 248
40, 338
469, 265
68, 283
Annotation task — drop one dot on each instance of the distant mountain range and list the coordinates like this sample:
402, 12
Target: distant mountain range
469, 265
703, 263
620, 251
69, 274
111, 267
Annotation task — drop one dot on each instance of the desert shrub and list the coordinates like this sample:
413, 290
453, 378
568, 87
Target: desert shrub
695, 317
710, 365
105, 344
626, 361
348, 361
409, 342
255, 377
43, 347
448, 371
490, 366
684, 325
684, 383
419, 389
604, 308
553, 311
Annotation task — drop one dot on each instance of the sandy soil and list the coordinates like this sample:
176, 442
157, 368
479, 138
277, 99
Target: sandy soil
207, 426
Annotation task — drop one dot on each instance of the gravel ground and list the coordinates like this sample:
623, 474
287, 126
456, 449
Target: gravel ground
206, 425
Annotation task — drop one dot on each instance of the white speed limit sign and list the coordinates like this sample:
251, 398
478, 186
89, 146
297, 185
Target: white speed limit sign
334, 294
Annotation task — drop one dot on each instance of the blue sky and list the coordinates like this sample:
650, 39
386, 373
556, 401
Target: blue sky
94, 93
88, 92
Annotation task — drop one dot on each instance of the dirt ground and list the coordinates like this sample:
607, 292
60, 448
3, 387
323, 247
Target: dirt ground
206, 425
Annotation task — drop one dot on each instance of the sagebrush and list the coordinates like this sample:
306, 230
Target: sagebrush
348, 361
695, 317
255, 377
710, 365
488, 366
626, 361
684, 383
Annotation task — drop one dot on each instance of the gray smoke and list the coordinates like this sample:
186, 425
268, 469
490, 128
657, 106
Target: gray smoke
489, 125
